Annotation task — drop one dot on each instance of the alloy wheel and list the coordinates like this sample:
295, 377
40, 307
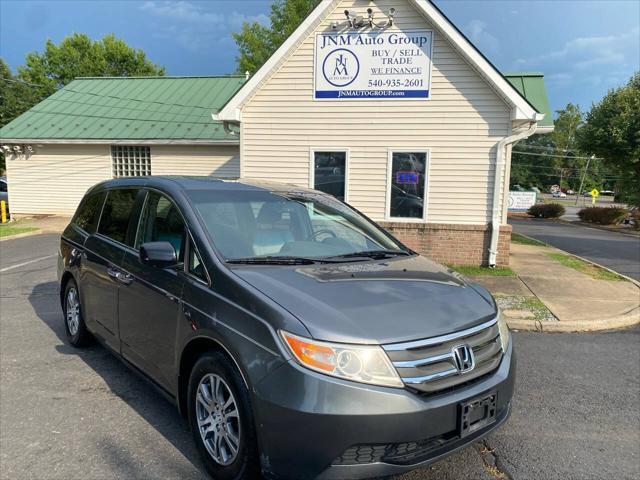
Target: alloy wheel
218, 419
73, 311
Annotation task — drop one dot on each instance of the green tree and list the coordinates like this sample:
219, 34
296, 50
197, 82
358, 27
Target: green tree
550, 159
256, 42
79, 56
612, 131
15, 96
565, 141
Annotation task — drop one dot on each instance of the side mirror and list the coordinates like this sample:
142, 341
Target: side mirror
158, 254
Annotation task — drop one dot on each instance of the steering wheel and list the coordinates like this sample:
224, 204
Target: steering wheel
323, 231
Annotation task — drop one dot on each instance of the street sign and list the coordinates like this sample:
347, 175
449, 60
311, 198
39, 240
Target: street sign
594, 194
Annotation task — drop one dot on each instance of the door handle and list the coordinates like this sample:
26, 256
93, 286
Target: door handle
125, 278
113, 273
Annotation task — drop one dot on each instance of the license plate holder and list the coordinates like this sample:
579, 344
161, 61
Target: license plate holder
477, 413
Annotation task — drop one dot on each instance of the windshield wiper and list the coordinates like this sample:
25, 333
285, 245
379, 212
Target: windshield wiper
276, 260
375, 254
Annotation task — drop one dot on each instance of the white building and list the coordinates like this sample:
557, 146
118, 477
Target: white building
398, 113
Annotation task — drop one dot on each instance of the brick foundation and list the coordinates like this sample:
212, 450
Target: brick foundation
452, 244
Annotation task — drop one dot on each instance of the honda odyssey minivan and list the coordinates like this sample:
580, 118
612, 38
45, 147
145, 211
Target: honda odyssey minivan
298, 338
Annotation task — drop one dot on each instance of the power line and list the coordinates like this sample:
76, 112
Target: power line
548, 149
554, 156
128, 99
12, 80
101, 117
111, 106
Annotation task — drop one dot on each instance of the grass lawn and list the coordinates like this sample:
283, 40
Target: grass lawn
524, 240
584, 267
478, 271
12, 229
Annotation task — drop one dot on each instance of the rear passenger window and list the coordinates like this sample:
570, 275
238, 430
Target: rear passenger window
162, 222
89, 212
116, 214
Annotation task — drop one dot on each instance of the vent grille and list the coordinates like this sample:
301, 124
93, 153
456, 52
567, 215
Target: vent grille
429, 365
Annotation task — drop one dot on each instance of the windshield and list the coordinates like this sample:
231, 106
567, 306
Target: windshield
258, 225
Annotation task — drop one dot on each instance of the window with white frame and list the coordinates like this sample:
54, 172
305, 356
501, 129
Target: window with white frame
406, 187
130, 160
329, 172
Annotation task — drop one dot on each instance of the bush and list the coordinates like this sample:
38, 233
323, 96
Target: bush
603, 215
546, 210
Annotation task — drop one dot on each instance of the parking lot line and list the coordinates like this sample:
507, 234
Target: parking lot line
35, 260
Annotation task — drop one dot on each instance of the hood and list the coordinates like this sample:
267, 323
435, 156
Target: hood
374, 302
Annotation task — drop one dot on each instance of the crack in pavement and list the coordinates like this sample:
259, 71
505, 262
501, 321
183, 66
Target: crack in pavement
491, 461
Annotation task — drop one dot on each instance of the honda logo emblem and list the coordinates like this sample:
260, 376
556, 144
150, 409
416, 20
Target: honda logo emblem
463, 358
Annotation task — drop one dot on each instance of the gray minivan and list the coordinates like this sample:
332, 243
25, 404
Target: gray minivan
298, 338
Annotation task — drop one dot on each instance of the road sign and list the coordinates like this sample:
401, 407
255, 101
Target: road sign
594, 193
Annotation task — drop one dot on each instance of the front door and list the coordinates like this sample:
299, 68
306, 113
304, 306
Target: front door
149, 304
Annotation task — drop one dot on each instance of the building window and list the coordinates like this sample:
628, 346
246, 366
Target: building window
329, 172
130, 160
406, 186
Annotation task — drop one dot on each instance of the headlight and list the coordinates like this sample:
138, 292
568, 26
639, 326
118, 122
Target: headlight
359, 363
505, 335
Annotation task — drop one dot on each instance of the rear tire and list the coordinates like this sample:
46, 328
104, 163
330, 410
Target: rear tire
221, 419
74, 325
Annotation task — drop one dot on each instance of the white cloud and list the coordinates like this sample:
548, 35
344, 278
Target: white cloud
192, 13
480, 36
589, 60
584, 52
193, 27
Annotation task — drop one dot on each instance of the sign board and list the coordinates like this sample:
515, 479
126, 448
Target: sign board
594, 193
373, 65
521, 201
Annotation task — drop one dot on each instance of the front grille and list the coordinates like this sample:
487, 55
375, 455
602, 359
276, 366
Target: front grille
429, 365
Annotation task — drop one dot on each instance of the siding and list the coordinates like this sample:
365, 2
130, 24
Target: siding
217, 161
54, 178
461, 125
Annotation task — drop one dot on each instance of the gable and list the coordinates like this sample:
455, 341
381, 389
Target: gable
409, 14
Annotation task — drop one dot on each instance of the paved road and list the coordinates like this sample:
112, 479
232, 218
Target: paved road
70, 414
617, 251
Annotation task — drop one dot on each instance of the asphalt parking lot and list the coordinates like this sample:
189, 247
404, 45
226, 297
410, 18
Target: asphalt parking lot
70, 414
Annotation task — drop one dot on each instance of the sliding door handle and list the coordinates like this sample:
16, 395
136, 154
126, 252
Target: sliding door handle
113, 273
125, 278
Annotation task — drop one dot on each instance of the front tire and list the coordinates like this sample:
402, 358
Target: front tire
221, 419
74, 325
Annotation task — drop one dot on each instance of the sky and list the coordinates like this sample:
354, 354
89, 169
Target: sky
584, 47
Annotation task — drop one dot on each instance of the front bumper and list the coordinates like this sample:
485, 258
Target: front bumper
306, 422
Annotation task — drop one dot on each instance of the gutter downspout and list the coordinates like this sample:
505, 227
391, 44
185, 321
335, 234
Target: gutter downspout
497, 208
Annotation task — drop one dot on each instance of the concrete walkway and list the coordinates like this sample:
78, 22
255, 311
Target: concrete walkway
577, 301
47, 223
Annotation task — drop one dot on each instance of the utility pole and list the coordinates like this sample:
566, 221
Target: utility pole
584, 174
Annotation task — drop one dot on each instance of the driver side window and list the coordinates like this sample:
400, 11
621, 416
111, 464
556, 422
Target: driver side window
161, 221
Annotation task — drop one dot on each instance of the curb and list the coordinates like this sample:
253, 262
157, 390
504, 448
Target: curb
22, 235
628, 319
